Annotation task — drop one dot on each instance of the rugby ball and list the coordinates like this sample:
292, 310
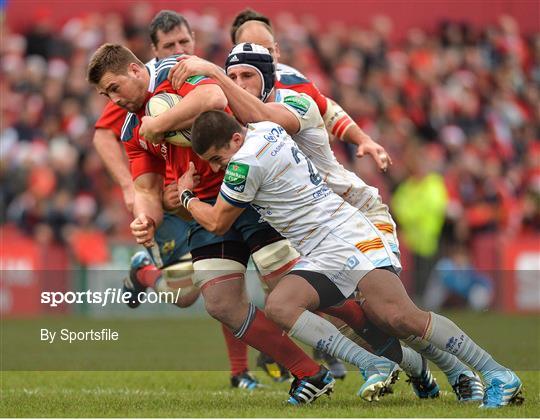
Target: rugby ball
162, 102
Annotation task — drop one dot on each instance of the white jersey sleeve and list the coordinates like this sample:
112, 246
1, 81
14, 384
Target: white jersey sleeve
302, 106
243, 178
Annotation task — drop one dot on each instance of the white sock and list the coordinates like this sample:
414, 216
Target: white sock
447, 336
411, 362
317, 332
449, 364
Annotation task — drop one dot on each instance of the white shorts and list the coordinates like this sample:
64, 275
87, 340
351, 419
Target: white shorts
349, 252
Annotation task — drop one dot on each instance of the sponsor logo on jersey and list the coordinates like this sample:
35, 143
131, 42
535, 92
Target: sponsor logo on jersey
236, 176
274, 134
300, 104
322, 192
168, 247
143, 144
352, 262
277, 149
193, 80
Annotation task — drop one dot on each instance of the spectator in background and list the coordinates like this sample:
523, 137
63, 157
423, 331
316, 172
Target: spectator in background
419, 207
455, 280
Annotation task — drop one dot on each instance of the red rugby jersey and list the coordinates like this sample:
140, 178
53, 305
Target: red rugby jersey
146, 157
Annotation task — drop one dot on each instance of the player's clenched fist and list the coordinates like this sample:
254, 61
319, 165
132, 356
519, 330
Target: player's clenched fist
143, 229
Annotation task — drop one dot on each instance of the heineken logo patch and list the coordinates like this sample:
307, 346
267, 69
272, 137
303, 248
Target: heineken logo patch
236, 176
300, 104
193, 80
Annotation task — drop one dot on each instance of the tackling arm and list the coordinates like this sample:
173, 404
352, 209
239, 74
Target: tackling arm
216, 219
248, 108
181, 116
245, 106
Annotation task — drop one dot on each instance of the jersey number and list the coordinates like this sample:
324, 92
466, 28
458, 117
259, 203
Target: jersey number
314, 176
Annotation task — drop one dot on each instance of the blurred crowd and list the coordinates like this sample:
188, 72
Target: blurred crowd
457, 109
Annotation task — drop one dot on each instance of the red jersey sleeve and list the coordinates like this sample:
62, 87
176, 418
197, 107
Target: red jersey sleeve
141, 161
112, 118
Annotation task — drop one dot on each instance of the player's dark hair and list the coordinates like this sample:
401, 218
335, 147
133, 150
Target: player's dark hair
213, 128
165, 21
113, 58
248, 15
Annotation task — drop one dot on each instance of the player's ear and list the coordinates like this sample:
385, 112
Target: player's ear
236, 140
135, 69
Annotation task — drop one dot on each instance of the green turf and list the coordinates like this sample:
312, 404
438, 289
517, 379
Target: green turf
207, 394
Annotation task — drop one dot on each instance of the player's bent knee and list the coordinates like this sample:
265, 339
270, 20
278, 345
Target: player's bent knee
220, 310
178, 279
277, 310
399, 321
275, 260
213, 271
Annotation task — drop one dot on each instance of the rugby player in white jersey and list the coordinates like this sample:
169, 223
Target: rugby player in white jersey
250, 71
265, 169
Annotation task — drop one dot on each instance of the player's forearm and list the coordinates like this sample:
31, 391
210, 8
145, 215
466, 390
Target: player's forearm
355, 135
113, 157
149, 205
148, 197
209, 217
341, 125
182, 115
245, 106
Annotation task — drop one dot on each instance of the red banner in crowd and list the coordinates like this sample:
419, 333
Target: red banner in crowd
520, 286
26, 269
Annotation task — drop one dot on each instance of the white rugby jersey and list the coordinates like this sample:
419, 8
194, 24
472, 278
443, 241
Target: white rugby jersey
274, 176
313, 141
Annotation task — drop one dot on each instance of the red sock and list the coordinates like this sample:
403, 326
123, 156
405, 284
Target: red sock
267, 337
237, 351
148, 275
351, 313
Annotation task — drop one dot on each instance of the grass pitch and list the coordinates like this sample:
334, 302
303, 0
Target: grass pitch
206, 392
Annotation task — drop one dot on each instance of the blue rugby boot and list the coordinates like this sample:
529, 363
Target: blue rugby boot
379, 379
469, 387
131, 285
504, 388
245, 380
309, 388
425, 385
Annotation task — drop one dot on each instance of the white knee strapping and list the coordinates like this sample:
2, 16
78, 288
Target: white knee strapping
275, 259
177, 278
216, 270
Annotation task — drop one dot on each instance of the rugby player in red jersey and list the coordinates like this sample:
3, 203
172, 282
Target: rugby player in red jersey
219, 261
170, 266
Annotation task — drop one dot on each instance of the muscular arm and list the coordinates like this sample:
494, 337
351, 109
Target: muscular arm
148, 197
182, 115
248, 108
115, 160
245, 106
216, 219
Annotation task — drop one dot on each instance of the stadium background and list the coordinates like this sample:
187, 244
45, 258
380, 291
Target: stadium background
451, 89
